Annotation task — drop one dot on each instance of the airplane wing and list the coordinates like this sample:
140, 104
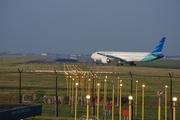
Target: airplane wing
112, 57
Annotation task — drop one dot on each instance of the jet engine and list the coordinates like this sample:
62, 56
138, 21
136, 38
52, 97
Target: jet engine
105, 60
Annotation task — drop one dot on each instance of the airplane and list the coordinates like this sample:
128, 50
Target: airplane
129, 57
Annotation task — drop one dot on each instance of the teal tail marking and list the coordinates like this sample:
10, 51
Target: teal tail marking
148, 58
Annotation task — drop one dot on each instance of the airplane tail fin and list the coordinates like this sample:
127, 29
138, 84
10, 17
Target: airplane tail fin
159, 46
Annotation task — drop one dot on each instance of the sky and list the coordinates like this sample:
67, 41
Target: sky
87, 26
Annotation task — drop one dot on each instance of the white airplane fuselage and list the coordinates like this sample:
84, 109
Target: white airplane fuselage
130, 57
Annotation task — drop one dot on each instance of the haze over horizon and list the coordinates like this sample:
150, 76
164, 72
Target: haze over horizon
83, 27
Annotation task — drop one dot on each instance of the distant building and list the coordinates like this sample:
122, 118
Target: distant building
74, 57
43, 54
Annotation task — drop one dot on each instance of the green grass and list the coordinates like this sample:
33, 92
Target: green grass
155, 75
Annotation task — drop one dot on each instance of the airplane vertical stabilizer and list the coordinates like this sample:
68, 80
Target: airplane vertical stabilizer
159, 46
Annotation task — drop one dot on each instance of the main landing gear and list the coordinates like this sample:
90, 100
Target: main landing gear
132, 64
119, 63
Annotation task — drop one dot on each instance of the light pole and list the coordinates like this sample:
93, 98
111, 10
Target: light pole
113, 100
136, 97
165, 103
174, 99
82, 90
120, 106
96, 82
72, 105
92, 95
89, 84
87, 111
56, 94
130, 107
67, 83
86, 85
98, 85
118, 87
143, 86
171, 109
75, 115
105, 94
83, 84
131, 74
20, 96
70, 88
159, 93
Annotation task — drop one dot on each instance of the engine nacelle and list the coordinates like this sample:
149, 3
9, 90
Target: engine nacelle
105, 60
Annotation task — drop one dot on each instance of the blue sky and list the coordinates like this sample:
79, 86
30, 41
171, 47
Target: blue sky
83, 27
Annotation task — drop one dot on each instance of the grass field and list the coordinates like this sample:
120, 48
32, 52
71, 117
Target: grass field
155, 75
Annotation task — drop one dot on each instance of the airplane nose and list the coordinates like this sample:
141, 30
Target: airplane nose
92, 56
